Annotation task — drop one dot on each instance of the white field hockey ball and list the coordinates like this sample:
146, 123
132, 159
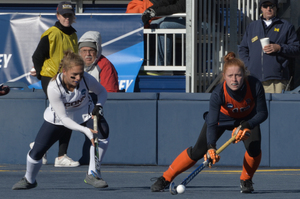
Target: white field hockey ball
180, 189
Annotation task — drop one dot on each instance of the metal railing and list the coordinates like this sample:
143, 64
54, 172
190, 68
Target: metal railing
205, 40
178, 48
214, 27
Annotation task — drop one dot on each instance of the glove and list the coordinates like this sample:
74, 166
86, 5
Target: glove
241, 134
212, 155
147, 15
4, 90
98, 111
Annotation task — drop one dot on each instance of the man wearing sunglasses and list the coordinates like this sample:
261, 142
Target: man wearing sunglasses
271, 63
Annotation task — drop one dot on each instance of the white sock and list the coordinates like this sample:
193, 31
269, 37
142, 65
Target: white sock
32, 169
103, 144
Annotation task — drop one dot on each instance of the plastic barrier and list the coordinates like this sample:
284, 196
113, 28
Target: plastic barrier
21, 117
148, 128
284, 130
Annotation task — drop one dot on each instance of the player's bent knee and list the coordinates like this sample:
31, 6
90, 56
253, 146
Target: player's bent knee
194, 155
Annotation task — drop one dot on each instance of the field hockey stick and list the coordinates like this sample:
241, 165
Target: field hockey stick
288, 85
192, 175
97, 163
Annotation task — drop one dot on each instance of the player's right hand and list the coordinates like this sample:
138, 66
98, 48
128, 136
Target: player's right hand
98, 111
212, 155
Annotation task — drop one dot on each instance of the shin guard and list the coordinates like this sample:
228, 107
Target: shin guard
250, 166
32, 168
179, 165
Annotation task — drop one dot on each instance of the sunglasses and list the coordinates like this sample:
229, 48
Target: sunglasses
268, 5
67, 15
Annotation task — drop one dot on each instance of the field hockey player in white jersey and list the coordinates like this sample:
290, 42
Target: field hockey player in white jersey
70, 109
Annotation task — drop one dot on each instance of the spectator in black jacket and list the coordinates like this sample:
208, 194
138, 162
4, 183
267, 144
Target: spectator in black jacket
162, 8
271, 63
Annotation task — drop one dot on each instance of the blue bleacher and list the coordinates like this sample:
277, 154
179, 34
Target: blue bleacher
50, 8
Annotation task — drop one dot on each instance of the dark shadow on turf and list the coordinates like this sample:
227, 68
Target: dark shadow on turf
276, 191
108, 189
211, 187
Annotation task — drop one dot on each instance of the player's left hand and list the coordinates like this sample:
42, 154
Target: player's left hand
241, 135
147, 15
98, 111
212, 155
271, 48
92, 140
4, 90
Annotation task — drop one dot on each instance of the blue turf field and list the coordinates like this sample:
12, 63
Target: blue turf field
134, 182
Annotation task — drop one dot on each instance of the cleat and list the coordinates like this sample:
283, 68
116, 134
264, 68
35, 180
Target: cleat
95, 181
246, 186
160, 184
65, 162
24, 184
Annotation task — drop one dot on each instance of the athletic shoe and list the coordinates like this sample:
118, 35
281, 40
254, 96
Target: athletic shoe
65, 161
160, 184
44, 159
246, 186
24, 184
95, 181
45, 155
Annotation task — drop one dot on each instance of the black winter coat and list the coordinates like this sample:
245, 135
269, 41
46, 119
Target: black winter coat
269, 66
168, 7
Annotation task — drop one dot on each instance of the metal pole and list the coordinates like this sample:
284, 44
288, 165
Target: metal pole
191, 27
295, 20
233, 26
79, 6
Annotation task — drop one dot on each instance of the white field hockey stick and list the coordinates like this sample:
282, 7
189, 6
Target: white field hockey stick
97, 163
192, 175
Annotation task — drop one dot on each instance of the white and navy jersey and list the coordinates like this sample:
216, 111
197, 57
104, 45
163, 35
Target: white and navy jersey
73, 108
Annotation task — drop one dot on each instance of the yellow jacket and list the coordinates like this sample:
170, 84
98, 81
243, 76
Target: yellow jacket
58, 43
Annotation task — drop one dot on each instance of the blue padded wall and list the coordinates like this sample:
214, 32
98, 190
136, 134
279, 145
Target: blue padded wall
284, 130
20, 119
179, 119
149, 128
132, 122
158, 84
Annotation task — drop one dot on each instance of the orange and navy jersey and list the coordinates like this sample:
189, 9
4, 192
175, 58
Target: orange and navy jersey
238, 109
227, 108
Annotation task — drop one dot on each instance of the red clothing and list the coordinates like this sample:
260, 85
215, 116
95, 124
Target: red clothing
138, 6
108, 75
